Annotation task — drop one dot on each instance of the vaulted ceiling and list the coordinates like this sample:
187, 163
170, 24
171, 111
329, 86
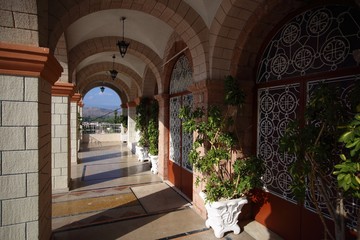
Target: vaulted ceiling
84, 33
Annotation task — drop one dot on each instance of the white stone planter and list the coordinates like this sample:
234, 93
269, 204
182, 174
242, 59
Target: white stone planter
123, 137
137, 151
223, 216
154, 163
142, 153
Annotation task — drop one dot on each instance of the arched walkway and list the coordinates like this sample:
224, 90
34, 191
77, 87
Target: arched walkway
134, 203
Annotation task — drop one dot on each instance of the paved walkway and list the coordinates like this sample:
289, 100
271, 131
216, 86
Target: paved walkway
115, 196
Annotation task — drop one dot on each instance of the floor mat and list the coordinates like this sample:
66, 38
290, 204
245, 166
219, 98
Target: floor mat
159, 197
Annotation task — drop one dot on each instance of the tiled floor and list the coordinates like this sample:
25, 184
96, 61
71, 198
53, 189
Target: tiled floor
115, 196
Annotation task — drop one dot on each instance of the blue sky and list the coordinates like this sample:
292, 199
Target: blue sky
108, 99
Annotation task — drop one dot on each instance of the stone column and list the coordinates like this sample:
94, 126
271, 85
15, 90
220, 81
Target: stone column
60, 136
74, 127
26, 76
132, 139
80, 133
163, 101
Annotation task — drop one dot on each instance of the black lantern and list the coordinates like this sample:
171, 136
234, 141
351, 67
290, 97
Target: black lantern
122, 44
113, 72
102, 89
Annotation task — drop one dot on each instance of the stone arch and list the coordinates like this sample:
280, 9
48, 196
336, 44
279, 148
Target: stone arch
233, 27
123, 97
90, 47
191, 27
99, 80
172, 56
149, 86
61, 55
255, 32
92, 69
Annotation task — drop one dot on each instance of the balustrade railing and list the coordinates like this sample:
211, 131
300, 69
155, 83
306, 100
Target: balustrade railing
101, 128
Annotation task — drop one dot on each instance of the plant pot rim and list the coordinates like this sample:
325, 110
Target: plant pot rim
223, 202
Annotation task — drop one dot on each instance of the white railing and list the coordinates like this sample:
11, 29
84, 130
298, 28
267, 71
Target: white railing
101, 128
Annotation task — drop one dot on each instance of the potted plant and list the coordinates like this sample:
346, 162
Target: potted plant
323, 150
123, 120
141, 125
153, 133
228, 179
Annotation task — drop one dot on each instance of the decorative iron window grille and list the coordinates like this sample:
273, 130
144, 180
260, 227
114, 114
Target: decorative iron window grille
277, 106
319, 40
322, 39
180, 142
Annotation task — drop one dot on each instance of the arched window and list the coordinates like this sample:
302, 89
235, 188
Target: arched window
315, 46
180, 170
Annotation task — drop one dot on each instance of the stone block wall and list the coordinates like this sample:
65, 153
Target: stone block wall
60, 137
25, 184
74, 131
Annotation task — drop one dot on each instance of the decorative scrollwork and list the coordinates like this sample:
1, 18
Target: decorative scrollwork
318, 40
180, 142
277, 106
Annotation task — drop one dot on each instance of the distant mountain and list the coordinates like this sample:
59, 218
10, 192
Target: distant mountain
110, 107
98, 112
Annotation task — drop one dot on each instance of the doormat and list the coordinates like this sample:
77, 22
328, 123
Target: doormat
159, 197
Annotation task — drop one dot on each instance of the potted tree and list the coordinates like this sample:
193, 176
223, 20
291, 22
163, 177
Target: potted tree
153, 133
228, 179
123, 120
141, 125
323, 150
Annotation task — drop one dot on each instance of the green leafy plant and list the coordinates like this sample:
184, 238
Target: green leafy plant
142, 121
153, 128
348, 170
315, 143
123, 119
215, 145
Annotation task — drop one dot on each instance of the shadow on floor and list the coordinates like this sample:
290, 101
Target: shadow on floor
150, 202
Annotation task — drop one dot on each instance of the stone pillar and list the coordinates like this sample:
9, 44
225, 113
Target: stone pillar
163, 101
60, 136
26, 76
132, 139
74, 127
80, 133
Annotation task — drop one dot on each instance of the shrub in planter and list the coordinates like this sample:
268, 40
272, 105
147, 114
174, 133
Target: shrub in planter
153, 132
212, 155
319, 154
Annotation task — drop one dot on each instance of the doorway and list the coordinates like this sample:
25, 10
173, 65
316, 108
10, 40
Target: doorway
180, 143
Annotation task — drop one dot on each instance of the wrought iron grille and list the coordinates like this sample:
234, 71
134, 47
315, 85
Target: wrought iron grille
351, 205
187, 138
277, 106
181, 77
180, 142
319, 40
175, 130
